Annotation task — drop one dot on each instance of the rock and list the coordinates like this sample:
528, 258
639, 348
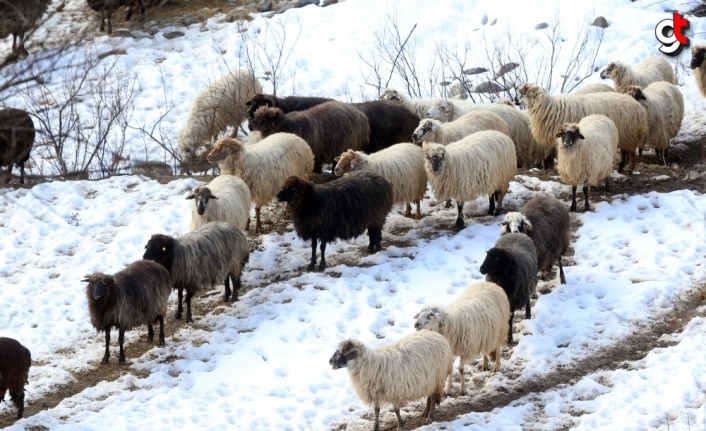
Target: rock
329, 2
474, 71
118, 51
692, 175
489, 87
541, 25
231, 17
675, 167
264, 6
302, 3
600, 22
187, 20
484, 19
121, 32
173, 34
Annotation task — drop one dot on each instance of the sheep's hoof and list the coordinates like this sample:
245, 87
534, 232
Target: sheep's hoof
322, 267
189, 320
573, 207
105, 360
311, 267
460, 225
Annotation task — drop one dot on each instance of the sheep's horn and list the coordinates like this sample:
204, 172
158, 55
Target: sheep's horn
86, 278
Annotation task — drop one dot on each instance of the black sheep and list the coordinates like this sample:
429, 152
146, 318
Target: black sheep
106, 8
340, 209
16, 139
15, 360
512, 264
390, 123
286, 104
135, 296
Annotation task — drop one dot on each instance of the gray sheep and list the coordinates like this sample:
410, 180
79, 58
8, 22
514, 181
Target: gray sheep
18, 17
16, 139
15, 360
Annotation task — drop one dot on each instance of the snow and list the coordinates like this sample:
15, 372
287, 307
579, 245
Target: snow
262, 363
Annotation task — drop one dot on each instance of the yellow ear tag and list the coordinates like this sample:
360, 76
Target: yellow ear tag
613, 73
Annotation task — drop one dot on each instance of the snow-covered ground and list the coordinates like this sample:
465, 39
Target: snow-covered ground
262, 363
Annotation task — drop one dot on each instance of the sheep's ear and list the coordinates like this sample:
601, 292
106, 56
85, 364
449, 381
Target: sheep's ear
416, 316
528, 226
213, 197
191, 196
337, 158
248, 103
439, 318
86, 278
558, 135
581, 136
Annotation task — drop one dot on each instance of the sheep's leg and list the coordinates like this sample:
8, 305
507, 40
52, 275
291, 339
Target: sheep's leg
226, 294
110, 22
189, 295
449, 384
180, 308
258, 226
509, 331
419, 210
606, 186
162, 341
528, 312
312, 264
121, 340
247, 224
375, 239
585, 197
22, 173
448, 203
562, 279
236, 287
425, 413
573, 198
484, 366
639, 155
491, 204
376, 425
496, 352
459, 219
150, 333
102, 27
432, 407
107, 344
631, 162
18, 398
461, 366
400, 424
498, 195
322, 264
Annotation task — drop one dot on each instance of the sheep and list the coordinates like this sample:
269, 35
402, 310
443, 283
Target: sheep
594, 88
482, 163
651, 69
106, 8
329, 128
665, 110
405, 370
512, 264
548, 113
390, 122
17, 17
225, 198
286, 104
401, 164
505, 101
546, 220
339, 209
213, 254
16, 139
134, 296
698, 53
474, 323
15, 360
219, 105
586, 153
418, 106
143, 5
263, 166
430, 130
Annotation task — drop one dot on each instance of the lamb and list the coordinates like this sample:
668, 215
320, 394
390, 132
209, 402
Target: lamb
546, 220
15, 360
548, 113
225, 198
17, 17
430, 130
512, 264
286, 104
594, 88
16, 139
401, 164
339, 209
213, 254
474, 323
390, 123
412, 367
329, 128
665, 110
698, 53
651, 69
106, 8
482, 163
219, 105
265, 165
134, 296
586, 153
418, 106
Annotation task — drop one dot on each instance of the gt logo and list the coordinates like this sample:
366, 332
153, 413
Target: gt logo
670, 33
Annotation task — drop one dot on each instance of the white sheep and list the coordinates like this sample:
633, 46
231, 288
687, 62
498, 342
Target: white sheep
698, 53
265, 165
225, 198
586, 153
651, 69
431, 130
593, 88
219, 105
401, 164
665, 111
418, 106
548, 113
474, 323
405, 370
480, 164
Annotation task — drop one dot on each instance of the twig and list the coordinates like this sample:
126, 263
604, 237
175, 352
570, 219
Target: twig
399, 52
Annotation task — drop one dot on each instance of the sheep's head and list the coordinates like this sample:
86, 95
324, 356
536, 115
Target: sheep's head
392, 94
515, 222
294, 189
494, 262
257, 101
635, 92
266, 120
424, 131
223, 148
440, 110
346, 162
611, 70
430, 317
201, 196
99, 285
568, 134
159, 249
505, 101
698, 53
529, 91
347, 352
435, 154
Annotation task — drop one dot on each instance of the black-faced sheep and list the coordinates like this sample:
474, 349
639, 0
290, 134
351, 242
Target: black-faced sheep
16, 139
390, 123
405, 370
401, 164
586, 153
339, 209
594, 88
15, 360
435, 131
480, 164
329, 128
264, 166
512, 264
106, 8
418, 106
698, 53
219, 105
17, 17
225, 198
665, 111
475, 323
286, 104
548, 113
546, 221
137, 295
212, 254
651, 69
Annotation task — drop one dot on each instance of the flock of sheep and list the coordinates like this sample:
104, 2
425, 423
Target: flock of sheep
384, 152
